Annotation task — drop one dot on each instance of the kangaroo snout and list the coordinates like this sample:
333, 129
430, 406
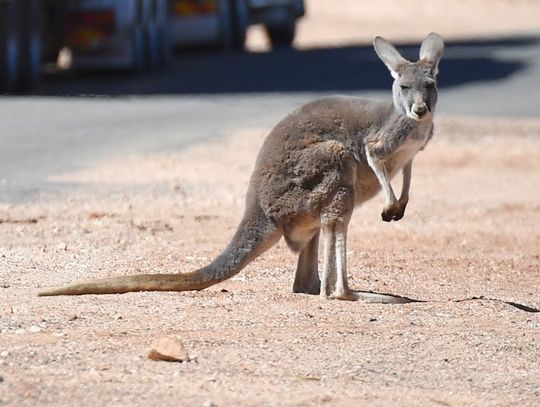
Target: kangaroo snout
419, 110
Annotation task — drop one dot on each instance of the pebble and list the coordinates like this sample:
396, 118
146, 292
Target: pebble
168, 348
34, 329
62, 246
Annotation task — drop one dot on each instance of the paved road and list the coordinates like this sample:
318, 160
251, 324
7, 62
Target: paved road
57, 130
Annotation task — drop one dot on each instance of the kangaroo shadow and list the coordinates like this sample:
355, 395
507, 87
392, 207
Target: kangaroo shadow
387, 298
344, 69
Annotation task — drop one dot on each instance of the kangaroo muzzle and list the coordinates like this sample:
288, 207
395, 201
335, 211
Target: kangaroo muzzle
419, 111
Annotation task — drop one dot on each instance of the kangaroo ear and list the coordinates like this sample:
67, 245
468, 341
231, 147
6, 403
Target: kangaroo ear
432, 50
389, 55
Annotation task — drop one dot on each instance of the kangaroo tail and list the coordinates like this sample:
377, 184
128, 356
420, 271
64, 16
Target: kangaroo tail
256, 234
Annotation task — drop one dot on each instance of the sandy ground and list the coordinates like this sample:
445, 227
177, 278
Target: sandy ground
470, 232
348, 22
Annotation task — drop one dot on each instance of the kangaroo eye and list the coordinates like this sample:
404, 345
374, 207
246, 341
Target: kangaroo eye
405, 87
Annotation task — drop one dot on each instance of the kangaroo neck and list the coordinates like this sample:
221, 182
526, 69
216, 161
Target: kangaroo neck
398, 121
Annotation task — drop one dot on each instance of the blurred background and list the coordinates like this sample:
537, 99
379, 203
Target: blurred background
86, 79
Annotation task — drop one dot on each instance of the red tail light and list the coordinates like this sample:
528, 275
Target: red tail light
88, 29
183, 8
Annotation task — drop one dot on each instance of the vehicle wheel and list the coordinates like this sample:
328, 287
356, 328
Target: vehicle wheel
164, 49
138, 53
164, 39
282, 34
9, 47
224, 14
239, 22
30, 45
151, 45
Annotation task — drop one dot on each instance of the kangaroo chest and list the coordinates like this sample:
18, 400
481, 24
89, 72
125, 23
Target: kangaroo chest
404, 152
395, 156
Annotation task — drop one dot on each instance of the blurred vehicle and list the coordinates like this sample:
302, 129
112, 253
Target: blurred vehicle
131, 35
128, 34
20, 44
221, 23
224, 22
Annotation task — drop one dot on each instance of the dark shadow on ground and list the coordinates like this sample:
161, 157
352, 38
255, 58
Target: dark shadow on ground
346, 69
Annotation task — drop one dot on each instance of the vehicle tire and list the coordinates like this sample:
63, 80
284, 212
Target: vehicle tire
282, 34
239, 22
224, 15
9, 47
164, 49
164, 38
30, 44
138, 53
151, 45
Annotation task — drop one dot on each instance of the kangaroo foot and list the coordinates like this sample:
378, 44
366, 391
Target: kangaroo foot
393, 212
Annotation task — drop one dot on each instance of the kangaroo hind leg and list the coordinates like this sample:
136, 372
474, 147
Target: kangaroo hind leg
335, 220
307, 279
334, 282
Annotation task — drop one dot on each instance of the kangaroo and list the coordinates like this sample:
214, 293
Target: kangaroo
314, 167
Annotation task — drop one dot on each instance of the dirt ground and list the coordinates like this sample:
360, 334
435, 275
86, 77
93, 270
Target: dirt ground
349, 22
468, 246
471, 231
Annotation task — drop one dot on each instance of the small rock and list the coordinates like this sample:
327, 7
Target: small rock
326, 398
168, 348
8, 310
34, 329
4, 353
62, 246
209, 403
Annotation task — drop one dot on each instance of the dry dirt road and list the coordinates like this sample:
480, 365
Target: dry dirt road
468, 246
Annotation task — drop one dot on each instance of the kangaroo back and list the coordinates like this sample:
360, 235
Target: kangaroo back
256, 234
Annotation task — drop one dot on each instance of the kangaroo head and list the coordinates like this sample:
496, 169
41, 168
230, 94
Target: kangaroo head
415, 83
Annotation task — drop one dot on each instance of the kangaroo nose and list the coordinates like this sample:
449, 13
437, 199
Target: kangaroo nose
419, 109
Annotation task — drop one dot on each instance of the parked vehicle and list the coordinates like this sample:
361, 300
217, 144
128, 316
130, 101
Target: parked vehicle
128, 34
132, 35
224, 22
220, 23
20, 44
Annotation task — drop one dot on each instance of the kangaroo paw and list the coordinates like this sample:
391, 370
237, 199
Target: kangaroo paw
393, 212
